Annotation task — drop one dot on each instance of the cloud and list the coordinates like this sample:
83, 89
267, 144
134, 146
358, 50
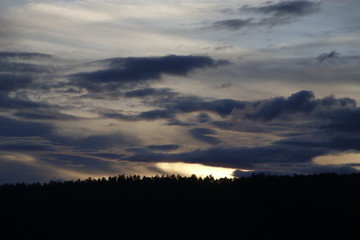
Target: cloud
23, 55
15, 128
327, 123
78, 161
171, 104
142, 116
16, 103
272, 14
156, 114
235, 157
166, 147
232, 24
26, 135
328, 56
151, 92
332, 140
204, 117
250, 158
10, 82
132, 71
18, 77
303, 102
44, 114
222, 107
25, 144
344, 119
13, 62
96, 141
302, 127
286, 8
298, 102
204, 135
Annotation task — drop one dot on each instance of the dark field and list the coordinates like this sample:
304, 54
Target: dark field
172, 207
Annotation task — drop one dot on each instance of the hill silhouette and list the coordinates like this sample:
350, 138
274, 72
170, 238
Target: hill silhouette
174, 207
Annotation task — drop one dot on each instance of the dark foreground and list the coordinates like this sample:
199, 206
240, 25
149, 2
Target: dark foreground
260, 207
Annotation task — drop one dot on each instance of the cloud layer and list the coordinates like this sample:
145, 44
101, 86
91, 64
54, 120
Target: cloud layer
133, 71
90, 89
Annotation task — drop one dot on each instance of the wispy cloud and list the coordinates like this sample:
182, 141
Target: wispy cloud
286, 8
270, 15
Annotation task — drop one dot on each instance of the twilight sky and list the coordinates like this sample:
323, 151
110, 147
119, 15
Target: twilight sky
98, 88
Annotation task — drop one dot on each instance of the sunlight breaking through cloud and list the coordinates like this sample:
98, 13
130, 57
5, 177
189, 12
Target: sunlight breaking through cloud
200, 170
350, 158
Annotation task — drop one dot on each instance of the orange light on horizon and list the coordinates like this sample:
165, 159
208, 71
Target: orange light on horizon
200, 170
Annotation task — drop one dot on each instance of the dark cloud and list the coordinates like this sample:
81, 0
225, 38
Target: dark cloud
286, 8
24, 68
204, 135
167, 147
132, 71
235, 157
112, 156
203, 118
18, 77
309, 127
222, 107
332, 140
90, 163
10, 82
301, 102
27, 146
250, 158
156, 114
224, 125
176, 122
117, 115
14, 128
272, 14
224, 85
181, 104
143, 116
298, 102
232, 24
326, 124
328, 56
23, 55
16, 103
12, 62
171, 104
95, 141
44, 114
151, 92
344, 119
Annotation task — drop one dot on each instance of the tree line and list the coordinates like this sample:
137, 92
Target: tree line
177, 207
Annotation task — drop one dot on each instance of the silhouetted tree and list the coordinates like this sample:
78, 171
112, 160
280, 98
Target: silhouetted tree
178, 207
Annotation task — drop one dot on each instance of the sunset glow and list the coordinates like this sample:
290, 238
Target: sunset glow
102, 88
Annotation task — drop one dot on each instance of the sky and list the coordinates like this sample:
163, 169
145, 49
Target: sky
93, 88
